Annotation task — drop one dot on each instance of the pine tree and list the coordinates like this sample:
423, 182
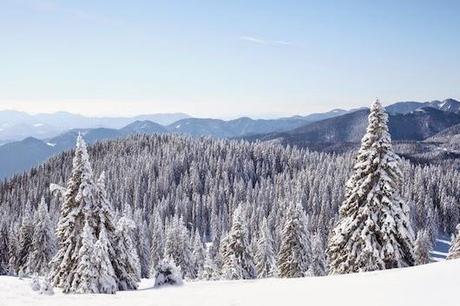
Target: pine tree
26, 233
178, 246
157, 247
265, 256
85, 278
128, 268
42, 248
374, 230
423, 246
454, 251
209, 271
237, 259
294, 258
142, 243
106, 278
199, 254
318, 262
108, 262
5, 246
71, 220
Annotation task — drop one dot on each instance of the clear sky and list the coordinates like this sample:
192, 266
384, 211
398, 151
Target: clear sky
225, 58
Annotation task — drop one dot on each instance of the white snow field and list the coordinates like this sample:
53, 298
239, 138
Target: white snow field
432, 284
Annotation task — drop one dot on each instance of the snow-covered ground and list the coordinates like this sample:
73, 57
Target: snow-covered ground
432, 284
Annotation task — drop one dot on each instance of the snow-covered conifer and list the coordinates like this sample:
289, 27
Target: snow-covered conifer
374, 230
423, 247
294, 257
238, 262
85, 278
127, 268
318, 260
106, 278
26, 233
72, 219
4, 247
209, 271
265, 256
454, 251
199, 254
178, 246
42, 248
157, 247
167, 273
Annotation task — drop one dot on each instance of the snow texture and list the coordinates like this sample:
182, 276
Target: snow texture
425, 285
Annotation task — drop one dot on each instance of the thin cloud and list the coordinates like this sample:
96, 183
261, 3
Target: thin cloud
261, 41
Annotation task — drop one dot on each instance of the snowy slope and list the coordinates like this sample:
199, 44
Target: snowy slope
432, 284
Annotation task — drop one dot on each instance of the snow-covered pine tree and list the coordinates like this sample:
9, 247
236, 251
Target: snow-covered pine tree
4, 246
199, 254
209, 271
12, 251
26, 233
167, 273
106, 278
294, 257
374, 230
128, 268
238, 262
71, 221
85, 278
423, 247
178, 246
454, 251
265, 256
142, 242
109, 265
42, 248
157, 247
318, 261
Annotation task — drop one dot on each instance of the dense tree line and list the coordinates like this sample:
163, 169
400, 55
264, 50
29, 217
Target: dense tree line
215, 208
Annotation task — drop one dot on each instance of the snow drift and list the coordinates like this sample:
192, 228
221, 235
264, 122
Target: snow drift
432, 284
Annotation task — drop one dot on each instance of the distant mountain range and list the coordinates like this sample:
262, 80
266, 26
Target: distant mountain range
422, 121
448, 105
337, 131
16, 125
21, 155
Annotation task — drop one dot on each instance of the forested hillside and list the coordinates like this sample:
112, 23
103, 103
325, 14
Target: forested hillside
191, 187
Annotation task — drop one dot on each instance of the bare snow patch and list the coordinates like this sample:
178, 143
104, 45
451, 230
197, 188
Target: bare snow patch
431, 284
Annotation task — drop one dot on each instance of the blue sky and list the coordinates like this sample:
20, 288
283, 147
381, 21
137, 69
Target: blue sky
225, 58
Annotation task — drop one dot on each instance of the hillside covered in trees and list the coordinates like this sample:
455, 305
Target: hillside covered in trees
182, 192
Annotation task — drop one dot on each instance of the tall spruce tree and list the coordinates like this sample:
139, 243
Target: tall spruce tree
238, 262
109, 264
294, 258
422, 247
42, 248
26, 233
128, 264
374, 230
5, 246
157, 247
71, 221
85, 278
265, 256
106, 280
